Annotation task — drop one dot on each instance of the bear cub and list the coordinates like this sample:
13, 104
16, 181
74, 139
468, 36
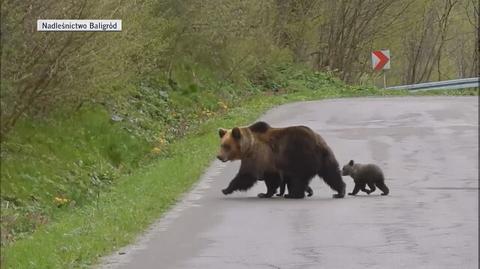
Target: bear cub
283, 185
365, 174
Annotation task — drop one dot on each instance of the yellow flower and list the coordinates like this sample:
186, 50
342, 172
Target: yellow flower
60, 200
223, 105
156, 150
161, 141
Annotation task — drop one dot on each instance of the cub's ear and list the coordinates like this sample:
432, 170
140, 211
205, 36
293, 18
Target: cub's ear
236, 133
351, 162
221, 132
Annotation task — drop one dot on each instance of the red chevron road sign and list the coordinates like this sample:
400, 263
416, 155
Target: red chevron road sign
381, 59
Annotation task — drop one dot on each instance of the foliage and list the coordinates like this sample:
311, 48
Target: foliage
190, 45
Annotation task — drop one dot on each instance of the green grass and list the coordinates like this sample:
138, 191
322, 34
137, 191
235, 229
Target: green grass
88, 135
77, 236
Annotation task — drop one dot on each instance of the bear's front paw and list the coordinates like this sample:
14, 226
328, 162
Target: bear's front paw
226, 191
263, 195
279, 194
351, 193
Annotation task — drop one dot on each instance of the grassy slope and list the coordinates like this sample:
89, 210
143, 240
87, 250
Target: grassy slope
77, 237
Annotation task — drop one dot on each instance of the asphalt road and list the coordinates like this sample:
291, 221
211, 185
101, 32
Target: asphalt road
428, 149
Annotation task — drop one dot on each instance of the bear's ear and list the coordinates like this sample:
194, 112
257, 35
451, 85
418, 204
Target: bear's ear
350, 163
236, 133
221, 132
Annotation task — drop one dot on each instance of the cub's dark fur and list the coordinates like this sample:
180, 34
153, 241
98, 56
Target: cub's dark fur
365, 174
259, 127
283, 184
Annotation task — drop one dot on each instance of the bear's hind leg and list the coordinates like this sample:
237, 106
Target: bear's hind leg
372, 187
335, 181
365, 190
381, 185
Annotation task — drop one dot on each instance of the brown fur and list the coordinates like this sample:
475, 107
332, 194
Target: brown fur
363, 175
292, 154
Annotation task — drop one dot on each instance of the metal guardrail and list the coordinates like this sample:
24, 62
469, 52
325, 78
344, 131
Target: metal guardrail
463, 83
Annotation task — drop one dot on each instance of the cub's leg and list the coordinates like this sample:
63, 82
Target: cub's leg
309, 191
272, 181
283, 184
372, 187
357, 188
381, 185
296, 190
365, 190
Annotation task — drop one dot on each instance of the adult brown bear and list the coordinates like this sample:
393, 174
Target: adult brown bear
292, 154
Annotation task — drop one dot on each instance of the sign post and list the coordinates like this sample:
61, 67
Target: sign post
381, 61
384, 79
